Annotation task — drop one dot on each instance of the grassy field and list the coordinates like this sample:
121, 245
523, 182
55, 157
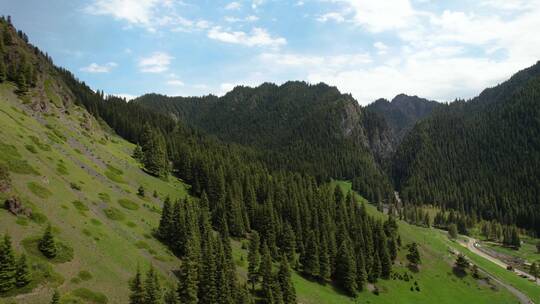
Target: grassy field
527, 251
59, 170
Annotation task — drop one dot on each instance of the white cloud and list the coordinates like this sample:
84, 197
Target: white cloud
257, 37
377, 15
96, 68
233, 6
175, 82
381, 47
256, 3
158, 62
332, 16
133, 11
251, 18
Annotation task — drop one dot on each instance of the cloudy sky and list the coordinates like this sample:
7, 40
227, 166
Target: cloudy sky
370, 48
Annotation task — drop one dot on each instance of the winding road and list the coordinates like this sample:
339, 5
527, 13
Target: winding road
473, 244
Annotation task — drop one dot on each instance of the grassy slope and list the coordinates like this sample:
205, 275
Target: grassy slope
104, 247
437, 282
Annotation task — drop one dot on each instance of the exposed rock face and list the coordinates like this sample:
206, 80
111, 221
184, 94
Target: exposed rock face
402, 113
14, 205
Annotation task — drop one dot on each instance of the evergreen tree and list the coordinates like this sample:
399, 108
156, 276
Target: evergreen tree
461, 263
310, 261
414, 256
152, 290
7, 265
361, 275
55, 297
138, 153
47, 245
289, 243
253, 259
166, 223
189, 274
346, 269
136, 289
207, 283
534, 271
284, 278
386, 263
22, 275
452, 231
171, 297
154, 150
475, 272
140, 191
267, 276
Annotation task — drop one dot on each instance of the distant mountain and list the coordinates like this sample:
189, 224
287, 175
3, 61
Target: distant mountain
308, 128
480, 156
402, 112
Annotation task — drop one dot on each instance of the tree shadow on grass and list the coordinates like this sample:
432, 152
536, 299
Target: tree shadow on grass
459, 272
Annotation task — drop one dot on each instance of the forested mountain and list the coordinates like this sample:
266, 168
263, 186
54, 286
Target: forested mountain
402, 113
306, 128
481, 156
294, 218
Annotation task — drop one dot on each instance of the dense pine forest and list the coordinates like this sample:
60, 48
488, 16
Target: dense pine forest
480, 156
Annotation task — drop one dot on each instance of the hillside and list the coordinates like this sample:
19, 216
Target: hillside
402, 113
307, 128
480, 156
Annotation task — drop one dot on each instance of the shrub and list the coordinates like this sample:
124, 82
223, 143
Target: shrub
85, 275
75, 186
114, 214
31, 148
105, 197
128, 204
39, 190
80, 206
90, 296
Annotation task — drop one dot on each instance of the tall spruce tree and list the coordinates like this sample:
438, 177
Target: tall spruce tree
253, 259
189, 273
154, 151
346, 269
136, 288
414, 256
267, 291
7, 265
47, 245
22, 275
310, 261
152, 289
171, 297
284, 278
166, 223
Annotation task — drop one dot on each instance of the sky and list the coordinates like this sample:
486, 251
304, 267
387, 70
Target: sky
441, 50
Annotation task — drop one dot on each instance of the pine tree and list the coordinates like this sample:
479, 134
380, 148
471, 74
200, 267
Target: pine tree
534, 271
414, 255
166, 223
155, 153
253, 259
55, 297
452, 231
386, 262
346, 269
136, 289
310, 261
267, 276
375, 270
189, 274
140, 191
47, 245
138, 153
289, 243
152, 290
7, 265
361, 275
462, 263
171, 297
284, 279
207, 283
22, 275
21, 82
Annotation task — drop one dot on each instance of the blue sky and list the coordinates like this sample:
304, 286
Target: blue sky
370, 48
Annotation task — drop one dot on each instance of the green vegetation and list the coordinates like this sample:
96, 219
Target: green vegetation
128, 204
80, 206
39, 190
114, 214
90, 296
